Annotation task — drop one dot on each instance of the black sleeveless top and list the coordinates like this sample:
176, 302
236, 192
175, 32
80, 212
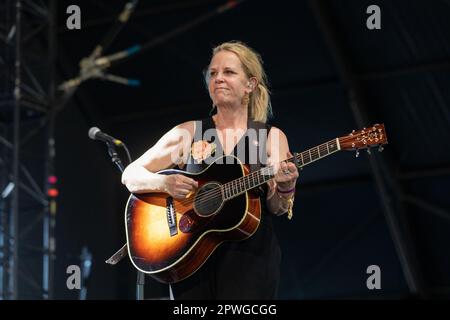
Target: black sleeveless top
247, 269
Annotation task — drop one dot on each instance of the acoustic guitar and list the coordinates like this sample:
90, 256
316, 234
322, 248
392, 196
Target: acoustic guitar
170, 239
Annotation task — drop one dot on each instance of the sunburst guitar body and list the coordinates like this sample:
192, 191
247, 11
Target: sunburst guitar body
170, 239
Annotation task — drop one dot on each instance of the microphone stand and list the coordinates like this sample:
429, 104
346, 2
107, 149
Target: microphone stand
114, 156
140, 280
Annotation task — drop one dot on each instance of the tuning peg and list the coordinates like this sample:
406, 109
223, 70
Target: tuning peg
380, 148
368, 151
357, 153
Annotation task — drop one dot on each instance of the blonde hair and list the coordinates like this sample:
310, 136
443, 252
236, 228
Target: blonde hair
259, 103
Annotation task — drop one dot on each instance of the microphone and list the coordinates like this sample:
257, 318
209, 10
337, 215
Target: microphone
96, 134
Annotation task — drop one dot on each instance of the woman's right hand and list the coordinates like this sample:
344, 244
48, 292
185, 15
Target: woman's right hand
179, 186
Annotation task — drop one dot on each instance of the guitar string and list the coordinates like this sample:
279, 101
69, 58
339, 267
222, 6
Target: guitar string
216, 192
314, 154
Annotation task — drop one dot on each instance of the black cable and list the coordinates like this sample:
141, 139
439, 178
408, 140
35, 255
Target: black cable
127, 151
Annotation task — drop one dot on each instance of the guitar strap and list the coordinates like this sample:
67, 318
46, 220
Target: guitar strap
262, 131
260, 141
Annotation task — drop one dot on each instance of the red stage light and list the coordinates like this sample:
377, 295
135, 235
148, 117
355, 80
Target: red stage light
52, 192
52, 179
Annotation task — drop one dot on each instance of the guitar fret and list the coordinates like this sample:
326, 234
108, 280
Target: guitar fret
323, 151
254, 179
333, 146
299, 161
250, 181
306, 158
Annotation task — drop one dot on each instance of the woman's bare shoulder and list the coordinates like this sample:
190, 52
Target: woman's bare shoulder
181, 131
275, 132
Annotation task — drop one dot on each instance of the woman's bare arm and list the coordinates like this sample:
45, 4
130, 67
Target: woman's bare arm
278, 150
171, 149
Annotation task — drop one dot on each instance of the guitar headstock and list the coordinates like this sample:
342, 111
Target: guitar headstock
365, 138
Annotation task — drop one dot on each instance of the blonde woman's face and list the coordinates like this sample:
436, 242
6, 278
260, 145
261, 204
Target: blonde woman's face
227, 80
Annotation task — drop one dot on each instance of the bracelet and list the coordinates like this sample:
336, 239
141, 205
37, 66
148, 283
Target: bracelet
286, 191
290, 204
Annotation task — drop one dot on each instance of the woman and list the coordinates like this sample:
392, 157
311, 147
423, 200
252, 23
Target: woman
237, 86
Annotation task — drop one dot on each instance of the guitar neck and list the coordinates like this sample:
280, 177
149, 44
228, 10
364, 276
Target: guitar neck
255, 179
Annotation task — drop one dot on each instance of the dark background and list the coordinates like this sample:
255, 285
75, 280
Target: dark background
321, 61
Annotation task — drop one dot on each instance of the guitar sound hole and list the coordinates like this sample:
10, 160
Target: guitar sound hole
208, 199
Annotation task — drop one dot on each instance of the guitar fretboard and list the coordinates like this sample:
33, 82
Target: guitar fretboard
238, 186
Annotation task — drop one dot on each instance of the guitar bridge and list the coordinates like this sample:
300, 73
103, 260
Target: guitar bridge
171, 217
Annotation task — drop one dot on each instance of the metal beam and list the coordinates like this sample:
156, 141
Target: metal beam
13, 274
328, 258
16, 157
425, 205
49, 222
389, 189
434, 171
320, 186
142, 13
405, 70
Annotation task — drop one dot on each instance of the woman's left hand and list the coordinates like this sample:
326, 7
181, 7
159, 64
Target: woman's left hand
286, 174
